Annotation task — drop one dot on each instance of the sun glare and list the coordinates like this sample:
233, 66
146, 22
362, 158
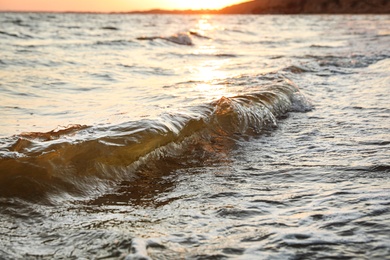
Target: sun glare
199, 4
112, 5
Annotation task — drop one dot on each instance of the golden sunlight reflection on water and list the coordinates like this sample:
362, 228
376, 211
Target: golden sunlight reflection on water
204, 24
212, 92
210, 69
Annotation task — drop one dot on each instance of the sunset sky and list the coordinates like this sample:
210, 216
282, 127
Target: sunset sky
110, 5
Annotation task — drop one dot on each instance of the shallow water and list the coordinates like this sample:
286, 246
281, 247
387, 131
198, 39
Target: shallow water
195, 137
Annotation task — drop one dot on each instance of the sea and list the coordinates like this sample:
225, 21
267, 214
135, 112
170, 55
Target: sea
194, 136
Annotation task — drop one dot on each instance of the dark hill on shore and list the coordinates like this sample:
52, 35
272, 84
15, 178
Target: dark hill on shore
309, 7
293, 7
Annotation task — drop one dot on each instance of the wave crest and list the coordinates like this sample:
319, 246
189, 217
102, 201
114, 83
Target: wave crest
87, 161
182, 38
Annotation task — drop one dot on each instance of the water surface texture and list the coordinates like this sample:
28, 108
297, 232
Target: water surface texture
194, 137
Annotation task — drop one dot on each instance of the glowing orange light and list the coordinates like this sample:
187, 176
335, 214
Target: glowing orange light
113, 5
199, 4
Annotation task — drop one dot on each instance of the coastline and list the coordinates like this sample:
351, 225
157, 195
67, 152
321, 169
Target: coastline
264, 7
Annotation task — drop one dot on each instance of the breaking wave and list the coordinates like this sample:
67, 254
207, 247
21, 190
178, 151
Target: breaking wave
86, 161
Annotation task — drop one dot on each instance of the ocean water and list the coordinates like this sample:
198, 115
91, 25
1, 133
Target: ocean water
194, 137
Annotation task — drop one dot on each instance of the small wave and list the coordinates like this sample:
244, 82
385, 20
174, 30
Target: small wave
319, 46
21, 35
54, 134
329, 45
199, 35
10, 34
111, 28
380, 168
206, 55
180, 38
71, 27
352, 62
296, 69
17, 22
238, 213
146, 38
87, 161
115, 42
148, 70
235, 30
378, 142
225, 55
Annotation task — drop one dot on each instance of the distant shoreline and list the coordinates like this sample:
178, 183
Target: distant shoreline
194, 12
258, 7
